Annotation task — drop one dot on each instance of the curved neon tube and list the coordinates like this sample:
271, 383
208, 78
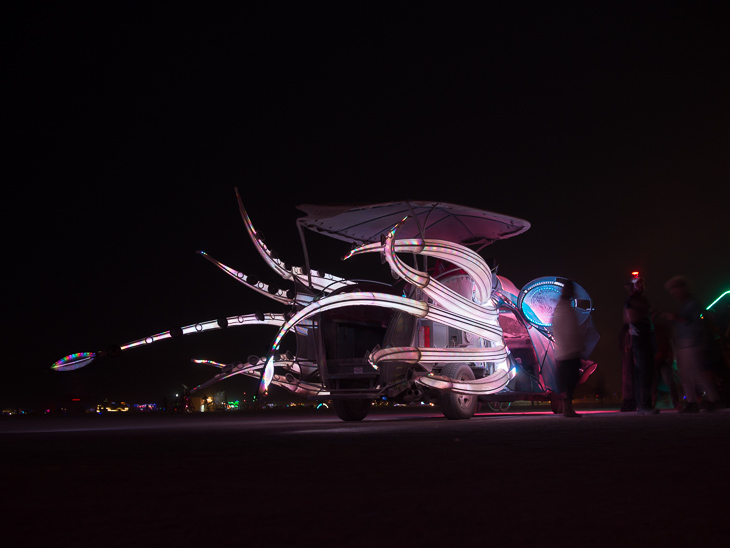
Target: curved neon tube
240, 277
359, 298
82, 359
470, 261
477, 316
487, 385
449, 308
716, 300
320, 282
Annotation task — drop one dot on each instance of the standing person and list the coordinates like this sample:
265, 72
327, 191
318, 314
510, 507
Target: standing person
637, 314
664, 362
627, 371
690, 340
569, 345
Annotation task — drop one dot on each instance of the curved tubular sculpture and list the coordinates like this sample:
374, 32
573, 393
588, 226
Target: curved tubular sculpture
359, 298
320, 281
229, 370
458, 311
286, 381
488, 385
437, 355
448, 308
448, 300
82, 359
468, 260
265, 289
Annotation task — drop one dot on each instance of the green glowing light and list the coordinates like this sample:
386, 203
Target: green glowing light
716, 300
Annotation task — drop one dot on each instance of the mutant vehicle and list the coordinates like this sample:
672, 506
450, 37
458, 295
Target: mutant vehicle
446, 329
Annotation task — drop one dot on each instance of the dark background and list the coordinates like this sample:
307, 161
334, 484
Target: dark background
605, 127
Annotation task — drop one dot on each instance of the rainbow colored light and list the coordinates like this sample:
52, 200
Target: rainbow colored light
74, 361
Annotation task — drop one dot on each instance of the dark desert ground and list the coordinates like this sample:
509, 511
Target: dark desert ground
401, 477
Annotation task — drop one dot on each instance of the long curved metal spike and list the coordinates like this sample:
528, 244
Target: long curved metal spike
259, 287
208, 383
78, 360
302, 388
211, 362
264, 251
236, 369
327, 283
320, 282
211, 325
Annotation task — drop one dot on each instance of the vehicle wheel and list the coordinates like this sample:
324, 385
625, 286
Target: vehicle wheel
352, 410
556, 404
498, 406
457, 406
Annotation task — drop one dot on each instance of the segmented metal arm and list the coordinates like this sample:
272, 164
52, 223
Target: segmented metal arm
82, 359
270, 291
286, 381
320, 281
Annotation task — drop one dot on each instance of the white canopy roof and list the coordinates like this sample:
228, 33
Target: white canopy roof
435, 220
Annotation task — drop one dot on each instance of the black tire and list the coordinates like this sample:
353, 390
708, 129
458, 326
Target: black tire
457, 406
352, 410
498, 406
556, 404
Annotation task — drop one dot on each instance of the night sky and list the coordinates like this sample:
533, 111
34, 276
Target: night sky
607, 128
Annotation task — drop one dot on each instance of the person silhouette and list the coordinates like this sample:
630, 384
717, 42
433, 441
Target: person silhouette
691, 339
627, 370
637, 314
569, 346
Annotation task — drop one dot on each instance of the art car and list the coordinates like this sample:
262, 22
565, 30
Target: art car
448, 329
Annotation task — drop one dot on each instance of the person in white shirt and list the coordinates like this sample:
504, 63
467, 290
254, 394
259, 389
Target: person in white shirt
569, 346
